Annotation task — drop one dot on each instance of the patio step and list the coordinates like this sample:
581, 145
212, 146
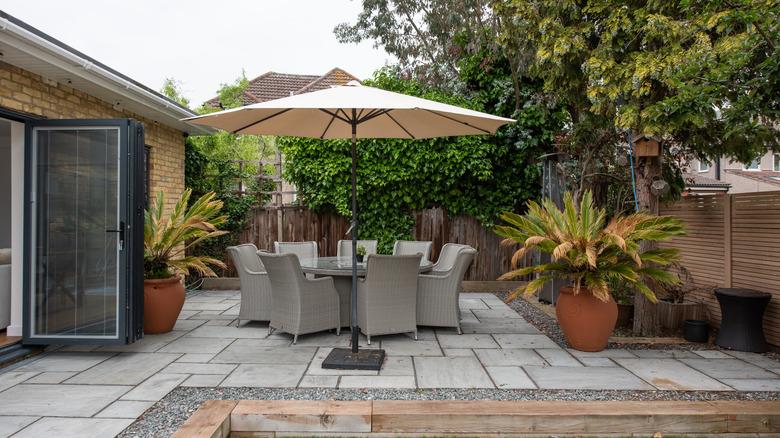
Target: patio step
481, 418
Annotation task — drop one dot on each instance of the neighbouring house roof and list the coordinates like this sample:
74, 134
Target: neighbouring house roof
701, 182
764, 176
28, 48
273, 85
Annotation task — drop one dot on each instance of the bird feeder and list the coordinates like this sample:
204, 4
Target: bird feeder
646, 146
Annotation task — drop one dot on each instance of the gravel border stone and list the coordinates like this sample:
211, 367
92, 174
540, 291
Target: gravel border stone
167, 415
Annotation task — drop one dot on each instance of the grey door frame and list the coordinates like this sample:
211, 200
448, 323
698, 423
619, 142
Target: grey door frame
130, 283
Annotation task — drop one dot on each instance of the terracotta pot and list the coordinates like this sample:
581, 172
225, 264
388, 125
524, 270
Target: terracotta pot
586, 321
163, 300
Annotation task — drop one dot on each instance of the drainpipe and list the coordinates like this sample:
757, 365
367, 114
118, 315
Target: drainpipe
717, 168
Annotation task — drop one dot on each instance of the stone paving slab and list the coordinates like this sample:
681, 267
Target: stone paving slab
11, 378
11, 424
608, 378
377, 382
191, 344
524, 341
309, 381
728, 369
124, 369
74, 427
451, 372
257, 351
558, 357
57, 361
204, 380
266, 376
753, 384
671, 374
410, 347
51, 377
467, 341
59, 400
125, 409
508, 357
510, 377
155, 388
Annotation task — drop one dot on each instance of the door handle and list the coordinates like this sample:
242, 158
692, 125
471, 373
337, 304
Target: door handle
121, 232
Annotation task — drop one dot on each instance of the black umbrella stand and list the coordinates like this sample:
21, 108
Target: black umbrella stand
354, 358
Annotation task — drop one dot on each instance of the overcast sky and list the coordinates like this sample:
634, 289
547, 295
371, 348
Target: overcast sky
204, 43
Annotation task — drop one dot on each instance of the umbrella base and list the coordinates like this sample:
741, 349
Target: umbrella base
345, 359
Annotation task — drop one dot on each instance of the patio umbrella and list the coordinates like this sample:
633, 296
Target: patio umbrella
353, 111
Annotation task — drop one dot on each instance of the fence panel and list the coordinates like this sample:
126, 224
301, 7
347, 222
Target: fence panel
732, 241
300, 223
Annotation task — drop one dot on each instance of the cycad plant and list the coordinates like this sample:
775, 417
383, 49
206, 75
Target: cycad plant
588, 249
167, 237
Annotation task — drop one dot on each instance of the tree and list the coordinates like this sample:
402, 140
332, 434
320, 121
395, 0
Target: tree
430, 38
700, 75
222, 163
172, 89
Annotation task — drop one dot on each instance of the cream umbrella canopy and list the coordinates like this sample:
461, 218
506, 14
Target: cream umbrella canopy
353, 111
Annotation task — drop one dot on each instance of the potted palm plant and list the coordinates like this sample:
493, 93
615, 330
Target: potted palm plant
166, 239
589, 251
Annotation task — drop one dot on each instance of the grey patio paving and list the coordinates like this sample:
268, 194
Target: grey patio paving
97, 391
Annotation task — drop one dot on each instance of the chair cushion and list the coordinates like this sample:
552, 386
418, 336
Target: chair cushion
5, 256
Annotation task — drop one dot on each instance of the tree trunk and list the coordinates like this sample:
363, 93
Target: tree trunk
646, 322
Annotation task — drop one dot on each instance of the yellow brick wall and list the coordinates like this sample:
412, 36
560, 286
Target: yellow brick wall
24, 91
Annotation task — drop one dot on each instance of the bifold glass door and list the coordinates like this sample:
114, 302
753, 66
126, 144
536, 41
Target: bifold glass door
83, 229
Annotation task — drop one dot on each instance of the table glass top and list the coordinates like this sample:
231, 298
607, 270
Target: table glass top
344, 264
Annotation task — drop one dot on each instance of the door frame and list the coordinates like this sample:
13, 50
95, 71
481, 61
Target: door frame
130, 293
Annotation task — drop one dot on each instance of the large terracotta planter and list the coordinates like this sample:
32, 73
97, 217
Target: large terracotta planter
163, 300
586, 321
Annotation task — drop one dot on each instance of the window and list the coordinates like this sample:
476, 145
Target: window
754, 165
704, 166
777, 162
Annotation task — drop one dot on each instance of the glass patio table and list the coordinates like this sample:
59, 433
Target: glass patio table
340, 268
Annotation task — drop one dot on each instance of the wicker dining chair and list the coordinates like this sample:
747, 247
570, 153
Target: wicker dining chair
304, 250
387, 296
408, 247
437, 293
447, 257
300, 305
255, 286
345, 247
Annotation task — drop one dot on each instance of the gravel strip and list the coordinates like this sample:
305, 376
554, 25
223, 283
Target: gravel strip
549, 326
169, 414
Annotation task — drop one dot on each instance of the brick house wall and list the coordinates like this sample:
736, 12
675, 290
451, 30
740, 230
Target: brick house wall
27, 92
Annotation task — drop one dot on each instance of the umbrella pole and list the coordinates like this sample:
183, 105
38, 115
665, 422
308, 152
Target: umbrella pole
353, 307
343, 358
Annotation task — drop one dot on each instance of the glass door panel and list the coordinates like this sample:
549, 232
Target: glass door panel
76, 256
78, 280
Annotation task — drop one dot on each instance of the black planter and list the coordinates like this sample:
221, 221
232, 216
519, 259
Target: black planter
359, 258
695, 330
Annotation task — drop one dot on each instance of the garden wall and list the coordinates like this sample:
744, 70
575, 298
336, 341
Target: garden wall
732, 241
290, 223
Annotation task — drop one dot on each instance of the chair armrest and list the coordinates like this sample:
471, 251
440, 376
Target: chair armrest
250, 272
322, 284
432, 277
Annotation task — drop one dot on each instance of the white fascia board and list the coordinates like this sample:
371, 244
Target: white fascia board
75, 65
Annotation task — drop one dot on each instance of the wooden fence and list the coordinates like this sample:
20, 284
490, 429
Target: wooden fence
289, 223
732, 241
